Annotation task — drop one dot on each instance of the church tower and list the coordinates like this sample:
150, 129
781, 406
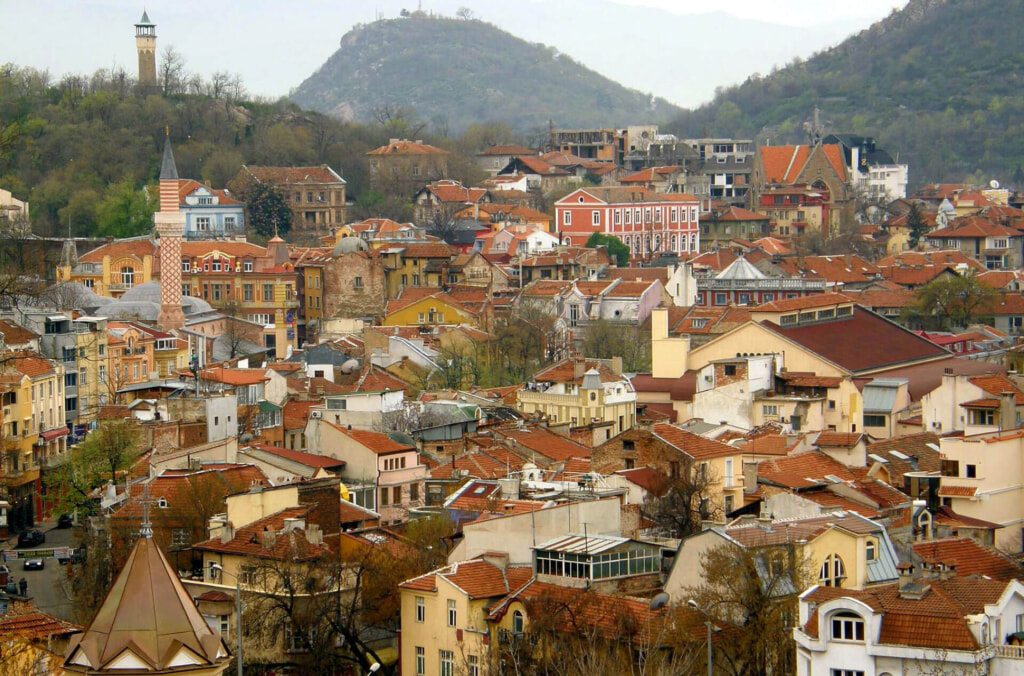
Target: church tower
170, 226
145, 43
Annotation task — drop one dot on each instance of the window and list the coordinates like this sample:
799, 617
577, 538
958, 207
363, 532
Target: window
870, 550
517, 622
720, 299
396, 495
874, 420
358, 282
421, 609
566, 217
216, 266
293, 642
595, 217
729, 369
845, 672
982, 417
447, 663
770, 410
185, 266
414, 490
247, 266
971, 471
421, 661
452, 613
474, 665
247, 293
203, 223
128, 276
847, 627
268, 293
384, 497
832, 572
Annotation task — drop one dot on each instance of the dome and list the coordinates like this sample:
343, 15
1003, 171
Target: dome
349, 245
77, 295
143, 302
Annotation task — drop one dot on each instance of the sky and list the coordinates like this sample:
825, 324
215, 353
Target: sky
274, 46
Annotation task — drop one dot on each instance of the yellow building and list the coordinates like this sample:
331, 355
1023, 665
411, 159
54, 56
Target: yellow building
444, 615
415, 264
840, 549
34, 434
428, 307
91, 343
810, 337
131, 357
579, 392
113, 268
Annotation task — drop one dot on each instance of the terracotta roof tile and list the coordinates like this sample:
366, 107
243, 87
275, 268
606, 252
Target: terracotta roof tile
694, 445
968, 557
14, 335
407, 148
957, 491
373, 441
294, 175
544, 443
139, 247
248, 540
803, 470
301, 457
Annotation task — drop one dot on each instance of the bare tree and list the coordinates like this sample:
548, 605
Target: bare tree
172, 71
687, 502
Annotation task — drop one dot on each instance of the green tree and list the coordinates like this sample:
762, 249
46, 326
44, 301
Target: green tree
615, 247
373, 204
100, 458
916, 223
267, 209
604, 339
952, 301
125, 211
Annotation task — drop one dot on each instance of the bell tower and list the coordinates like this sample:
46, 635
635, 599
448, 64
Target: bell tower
145, 44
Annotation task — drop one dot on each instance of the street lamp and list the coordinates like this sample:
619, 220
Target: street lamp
707, 623
238, 610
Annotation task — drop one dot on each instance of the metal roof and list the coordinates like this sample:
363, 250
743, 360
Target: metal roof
580, 544
880, 394
883, 567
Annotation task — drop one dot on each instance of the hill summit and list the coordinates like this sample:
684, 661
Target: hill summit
939, 81
455, 72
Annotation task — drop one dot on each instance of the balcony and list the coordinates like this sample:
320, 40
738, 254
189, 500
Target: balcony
119, 287
1012, 652
21, 477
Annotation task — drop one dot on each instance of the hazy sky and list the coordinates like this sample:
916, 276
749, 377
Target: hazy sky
275, 45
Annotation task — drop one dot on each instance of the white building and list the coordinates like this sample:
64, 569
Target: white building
956, 626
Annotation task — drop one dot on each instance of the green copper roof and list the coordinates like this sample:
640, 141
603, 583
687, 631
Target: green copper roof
144, 21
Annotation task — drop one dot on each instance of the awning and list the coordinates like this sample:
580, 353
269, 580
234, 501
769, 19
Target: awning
50, 435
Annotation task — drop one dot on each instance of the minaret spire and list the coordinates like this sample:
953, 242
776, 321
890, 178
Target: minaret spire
170, 226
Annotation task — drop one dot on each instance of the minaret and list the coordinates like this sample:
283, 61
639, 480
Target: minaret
145, 43
170, 226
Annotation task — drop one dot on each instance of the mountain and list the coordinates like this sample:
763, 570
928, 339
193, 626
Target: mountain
456, 72
939, 82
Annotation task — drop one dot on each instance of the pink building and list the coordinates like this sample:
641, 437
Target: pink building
647, 222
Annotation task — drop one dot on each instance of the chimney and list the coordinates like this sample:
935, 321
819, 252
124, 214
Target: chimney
1008, 410
227, 532
293, 524
314, 535
617, 365
579, 367
497, 559
269, 539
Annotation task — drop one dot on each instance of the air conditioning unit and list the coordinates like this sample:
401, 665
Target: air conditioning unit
316, 414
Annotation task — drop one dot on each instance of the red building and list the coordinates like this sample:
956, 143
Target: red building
647, 222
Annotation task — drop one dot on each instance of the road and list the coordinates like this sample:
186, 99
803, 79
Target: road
47, 586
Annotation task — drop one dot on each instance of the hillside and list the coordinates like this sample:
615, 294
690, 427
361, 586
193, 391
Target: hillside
455, 72
939, 82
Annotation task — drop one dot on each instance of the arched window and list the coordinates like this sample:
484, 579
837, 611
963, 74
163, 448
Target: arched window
847, 626
870, 550
832, 572
517, 622
128, 276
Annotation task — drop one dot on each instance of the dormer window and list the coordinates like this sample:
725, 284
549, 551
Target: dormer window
832, 572
847, 627
870, 550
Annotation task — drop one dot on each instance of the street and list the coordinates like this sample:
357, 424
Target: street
47, 586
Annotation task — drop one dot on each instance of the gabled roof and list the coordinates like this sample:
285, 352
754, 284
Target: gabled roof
694, 445
784, 164
650, 174
973, 227
373, 441
803, 470
544, 442
848, 269
139, 247
235, 377
968, 557
404, 147
148, 612
311, 460
996, 384
13, 334
248, 540
294, 175
477, 578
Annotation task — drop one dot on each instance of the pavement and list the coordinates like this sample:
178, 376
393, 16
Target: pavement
47, 587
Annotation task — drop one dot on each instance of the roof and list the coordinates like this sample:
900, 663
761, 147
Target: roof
754, 533
650, 174
784, 164
139, 247
491, 465
968, 557
935, 621
453, 191
693, 445
181, 488
848, 269
301, 457
564, 372
234, 376
404, 147
477, 578
29, 365
148, 612
544, 442
15, 335
919, 454
295, 175
372, 441
802, 470
863, 341
996, 384
839, 439
803, 303
248, 540
28, 624
507, 150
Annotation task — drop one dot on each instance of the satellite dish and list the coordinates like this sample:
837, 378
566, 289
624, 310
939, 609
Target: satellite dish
994, 184
659, 601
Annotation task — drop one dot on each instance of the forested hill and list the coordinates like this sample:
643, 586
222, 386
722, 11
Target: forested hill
455, 72
941, 82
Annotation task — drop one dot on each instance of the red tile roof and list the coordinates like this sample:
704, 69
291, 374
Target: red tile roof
957, 491
373, 441
294, 175
28, 624
234, 376
29, 365
139, 247
451, 191
477, 578
301, 457
839, 439
407, 148
803, 470
565, 372
790, 304
544, 443
784, 164
181, 487
996, 384
968, 557
972, 227
694, 445
494, 464
650, 174
847, 269
14, 335
754, 534
248, 540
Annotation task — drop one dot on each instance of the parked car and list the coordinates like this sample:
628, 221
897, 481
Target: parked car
34, 564
65, 521
31, 538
